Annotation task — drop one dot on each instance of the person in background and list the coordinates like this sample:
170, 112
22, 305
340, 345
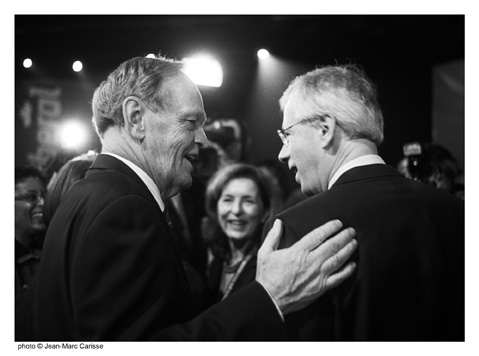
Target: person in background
409, 284
432, 163
61, 181
228, 143
237, 203
110, 269
402, 167
30, 227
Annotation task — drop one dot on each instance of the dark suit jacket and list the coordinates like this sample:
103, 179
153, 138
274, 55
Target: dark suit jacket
110, 271
409, 283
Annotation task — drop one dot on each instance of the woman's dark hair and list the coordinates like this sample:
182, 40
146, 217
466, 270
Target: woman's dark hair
24, 172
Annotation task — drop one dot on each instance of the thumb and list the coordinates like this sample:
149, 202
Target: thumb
271, 241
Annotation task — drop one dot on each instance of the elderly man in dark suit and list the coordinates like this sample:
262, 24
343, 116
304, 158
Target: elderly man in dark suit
409, 282
110, 270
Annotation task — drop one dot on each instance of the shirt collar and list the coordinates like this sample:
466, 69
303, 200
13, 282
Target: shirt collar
360, 161
144, 177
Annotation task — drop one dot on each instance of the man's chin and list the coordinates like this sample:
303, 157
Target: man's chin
186, 182
308, 192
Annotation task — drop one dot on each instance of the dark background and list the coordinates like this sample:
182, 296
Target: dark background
417, 62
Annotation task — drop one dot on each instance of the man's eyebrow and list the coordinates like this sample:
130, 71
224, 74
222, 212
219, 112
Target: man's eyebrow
198, 115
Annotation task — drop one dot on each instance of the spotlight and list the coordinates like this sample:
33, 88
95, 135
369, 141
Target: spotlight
27, 63
77, 66
72, 135
204, 70
263, 53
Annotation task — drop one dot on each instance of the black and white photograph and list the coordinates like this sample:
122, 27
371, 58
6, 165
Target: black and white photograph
269, 180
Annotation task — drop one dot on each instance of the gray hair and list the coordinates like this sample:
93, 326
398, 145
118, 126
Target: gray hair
343, 92
141, 77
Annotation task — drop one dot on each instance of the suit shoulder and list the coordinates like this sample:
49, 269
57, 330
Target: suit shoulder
97, 192
108, 184
310, 204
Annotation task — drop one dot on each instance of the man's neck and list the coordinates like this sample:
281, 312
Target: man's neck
122, 146
350, 150
117, 143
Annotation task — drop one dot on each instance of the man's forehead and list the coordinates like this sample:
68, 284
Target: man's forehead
179, 81
299, 108
290, 111
180, 90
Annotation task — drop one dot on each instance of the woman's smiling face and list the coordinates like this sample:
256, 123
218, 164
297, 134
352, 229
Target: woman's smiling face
29, 199
240, 209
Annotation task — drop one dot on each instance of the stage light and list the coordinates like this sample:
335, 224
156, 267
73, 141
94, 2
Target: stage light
263, 53
77, 66
72, 134
27, 63
203, 70
151, 55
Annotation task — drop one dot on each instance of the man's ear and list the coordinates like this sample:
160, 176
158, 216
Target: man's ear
327, 129
134, 116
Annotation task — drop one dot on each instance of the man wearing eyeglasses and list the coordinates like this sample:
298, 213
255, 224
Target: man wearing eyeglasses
409, 284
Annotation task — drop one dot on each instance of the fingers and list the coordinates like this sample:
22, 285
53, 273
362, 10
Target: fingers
317, 236
337, 250
337, 278
272, 239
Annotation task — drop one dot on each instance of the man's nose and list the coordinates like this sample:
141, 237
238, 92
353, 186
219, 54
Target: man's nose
200, 138
283, 155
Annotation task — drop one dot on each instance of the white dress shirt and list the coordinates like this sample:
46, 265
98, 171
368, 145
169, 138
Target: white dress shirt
155, 191
360, 161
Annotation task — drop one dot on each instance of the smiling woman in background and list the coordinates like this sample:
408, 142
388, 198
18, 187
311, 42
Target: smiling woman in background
30, 227
237, 204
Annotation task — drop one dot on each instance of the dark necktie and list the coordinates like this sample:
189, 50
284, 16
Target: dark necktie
168, 219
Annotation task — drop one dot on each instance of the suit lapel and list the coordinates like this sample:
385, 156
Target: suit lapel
110, 163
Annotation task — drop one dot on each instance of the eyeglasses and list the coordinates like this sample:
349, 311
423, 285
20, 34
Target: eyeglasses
283, 135
31, 197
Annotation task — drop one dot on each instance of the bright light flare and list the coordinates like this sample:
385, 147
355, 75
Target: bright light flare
263, 53
72, 134
204, 70
150, 55
27, 63
77, 66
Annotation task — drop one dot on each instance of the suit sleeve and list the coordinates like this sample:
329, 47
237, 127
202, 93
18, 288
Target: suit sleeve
247, 315
128, 284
